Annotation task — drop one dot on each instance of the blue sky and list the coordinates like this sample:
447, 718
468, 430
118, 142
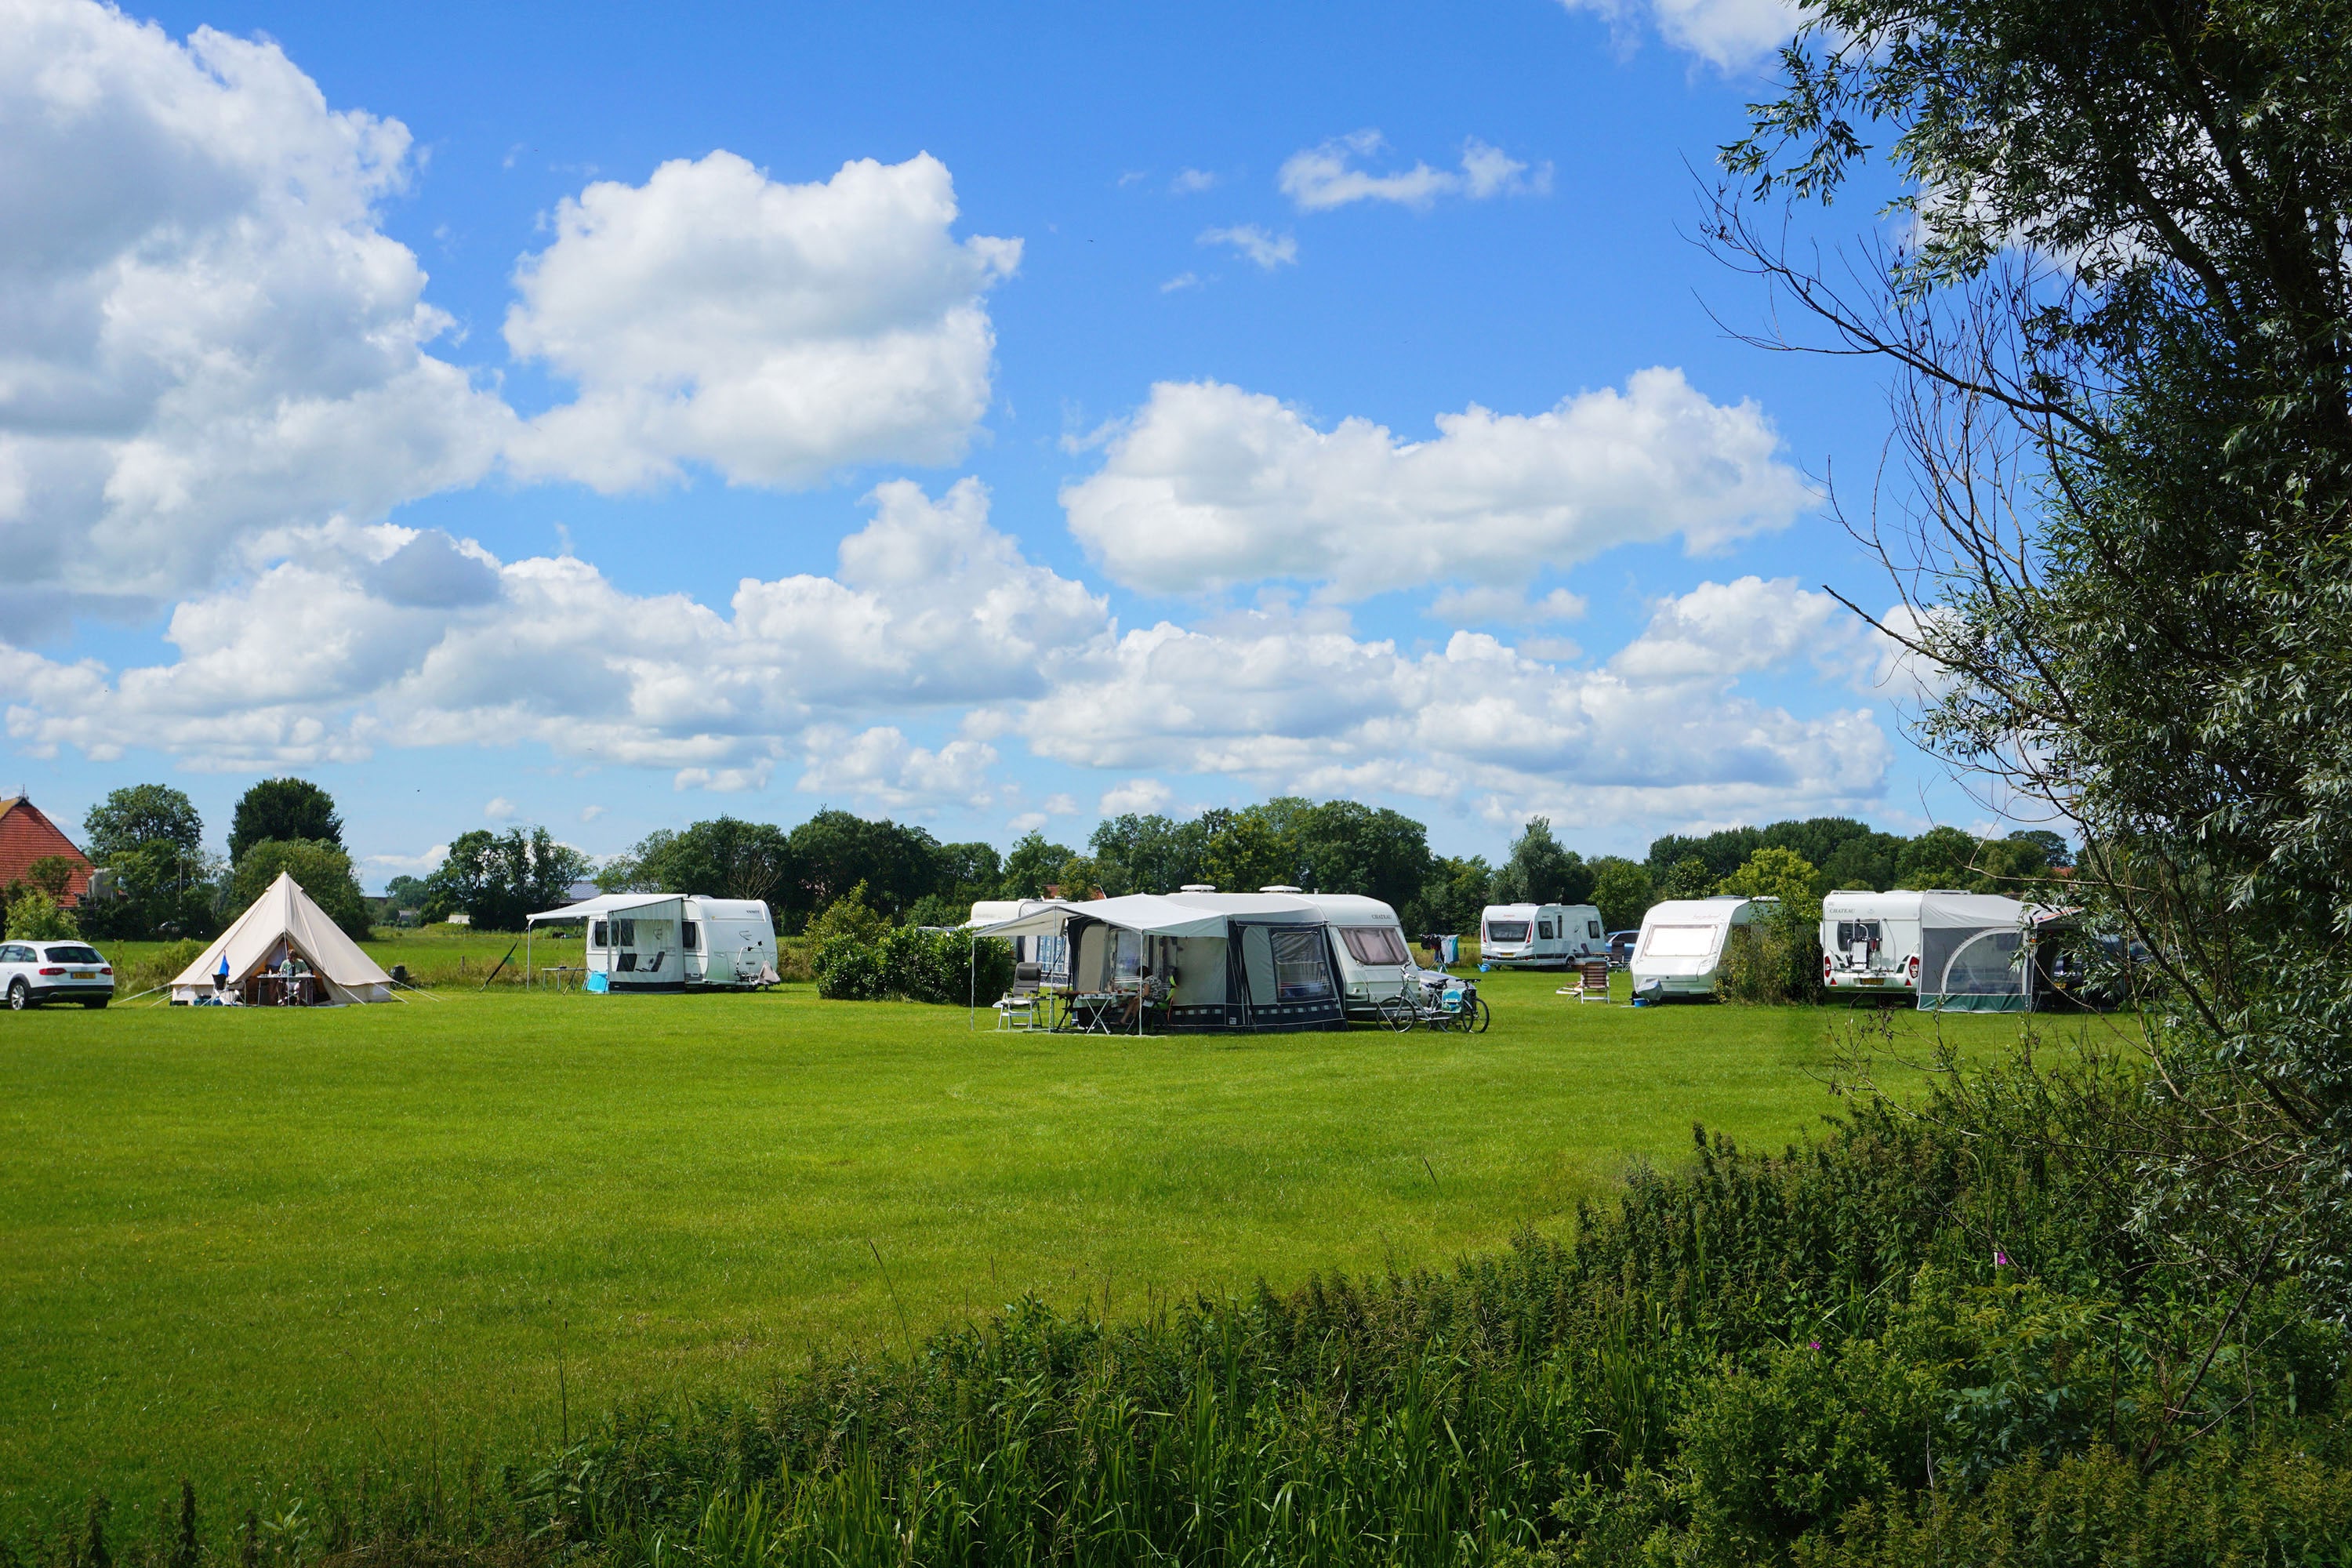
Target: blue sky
600, 418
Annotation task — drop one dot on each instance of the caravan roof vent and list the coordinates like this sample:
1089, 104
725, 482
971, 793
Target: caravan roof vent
1279, 888
1198, 888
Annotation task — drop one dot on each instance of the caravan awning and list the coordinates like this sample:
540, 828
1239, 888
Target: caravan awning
603, 904
1153, 915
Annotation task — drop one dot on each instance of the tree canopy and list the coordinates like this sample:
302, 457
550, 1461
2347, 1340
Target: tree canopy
284, 809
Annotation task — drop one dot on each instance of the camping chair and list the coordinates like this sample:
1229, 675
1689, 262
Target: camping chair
1021, 1002
655, 967
1592, 982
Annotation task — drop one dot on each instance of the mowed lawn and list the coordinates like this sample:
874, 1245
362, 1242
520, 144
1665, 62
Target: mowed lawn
265, 1241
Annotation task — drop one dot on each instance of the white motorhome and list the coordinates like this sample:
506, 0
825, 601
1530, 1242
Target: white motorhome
1540, 936
1951, 951
670, 941
1681, 944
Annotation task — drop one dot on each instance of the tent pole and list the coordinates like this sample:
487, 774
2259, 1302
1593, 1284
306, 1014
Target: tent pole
530, 975
972, 988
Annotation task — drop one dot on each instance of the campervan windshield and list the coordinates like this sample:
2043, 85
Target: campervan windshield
1679, 941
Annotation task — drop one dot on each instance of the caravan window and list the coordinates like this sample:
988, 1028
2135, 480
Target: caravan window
690, 936
1854, 934
1127, 954
1593, 930
624, 933
1543, 931
1679, 941
597, 933
1300, 973
1374, 944
1507, 930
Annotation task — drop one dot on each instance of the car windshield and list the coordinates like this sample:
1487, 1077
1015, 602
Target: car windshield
74, 955
1507, 930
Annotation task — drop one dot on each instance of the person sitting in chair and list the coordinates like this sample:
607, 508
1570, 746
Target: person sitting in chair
1147, 989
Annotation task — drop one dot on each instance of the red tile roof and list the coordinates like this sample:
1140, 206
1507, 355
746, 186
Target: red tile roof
26, 835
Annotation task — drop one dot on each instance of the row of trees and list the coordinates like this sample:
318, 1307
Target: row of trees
152, 838
168, 885
1337, 846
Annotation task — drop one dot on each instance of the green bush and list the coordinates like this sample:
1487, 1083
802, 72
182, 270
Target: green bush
34, 916
1777, 959
907, 963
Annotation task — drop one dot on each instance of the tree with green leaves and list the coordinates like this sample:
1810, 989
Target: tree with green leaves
1249, 850
1034, 864
1539, 871
152, 838
834, 850
138, 816
1622, 890
497, 880
2122, 541
322, 869
1453, 892
1689, 877
726, 858
283, 809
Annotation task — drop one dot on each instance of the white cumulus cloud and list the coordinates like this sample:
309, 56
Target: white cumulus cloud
1268, 250
1731, 35
929, 608
775, 332
1295, 705
1210, 486
1322, 177
203, 331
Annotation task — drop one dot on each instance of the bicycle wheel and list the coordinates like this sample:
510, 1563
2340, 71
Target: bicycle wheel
1396, 1013
1476, 1019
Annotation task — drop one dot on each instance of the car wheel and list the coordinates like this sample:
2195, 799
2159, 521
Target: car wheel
20, 996
94, 1003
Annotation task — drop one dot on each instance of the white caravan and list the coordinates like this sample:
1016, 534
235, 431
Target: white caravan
1956, 951
1540, 936
1681, 944
1369, 943
670, 941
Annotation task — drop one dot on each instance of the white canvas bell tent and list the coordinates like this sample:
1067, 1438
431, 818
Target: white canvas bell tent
284, 920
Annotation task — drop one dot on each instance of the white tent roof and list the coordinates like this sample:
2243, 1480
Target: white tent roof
1155, 915
604, 904
285, 914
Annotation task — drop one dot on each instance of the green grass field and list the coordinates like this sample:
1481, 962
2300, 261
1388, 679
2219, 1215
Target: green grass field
264, 1241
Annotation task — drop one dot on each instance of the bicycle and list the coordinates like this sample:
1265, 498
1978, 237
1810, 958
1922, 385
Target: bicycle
1441, 1005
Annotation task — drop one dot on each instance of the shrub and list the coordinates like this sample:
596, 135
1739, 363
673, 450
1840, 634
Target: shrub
157, 968
1774, 960
34, 916
908, 964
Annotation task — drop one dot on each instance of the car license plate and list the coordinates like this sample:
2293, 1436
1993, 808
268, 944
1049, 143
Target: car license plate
83, 974
1870, 980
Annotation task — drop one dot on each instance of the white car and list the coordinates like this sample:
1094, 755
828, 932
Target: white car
32, 972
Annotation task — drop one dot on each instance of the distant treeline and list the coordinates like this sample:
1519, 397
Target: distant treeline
1338, 846
151, 836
